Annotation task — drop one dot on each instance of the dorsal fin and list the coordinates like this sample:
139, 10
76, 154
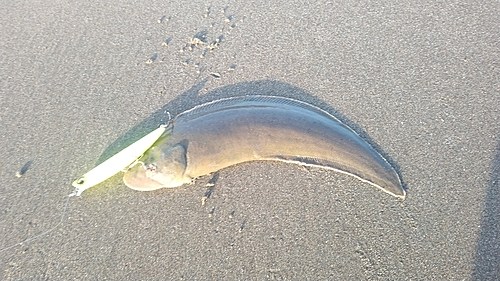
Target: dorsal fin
252, 101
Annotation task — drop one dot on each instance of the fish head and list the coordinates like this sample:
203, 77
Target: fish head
158, 167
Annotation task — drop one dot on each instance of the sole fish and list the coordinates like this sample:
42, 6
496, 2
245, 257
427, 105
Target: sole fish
225, 132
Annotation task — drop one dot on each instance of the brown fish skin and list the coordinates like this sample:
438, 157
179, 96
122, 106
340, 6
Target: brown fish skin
226, 132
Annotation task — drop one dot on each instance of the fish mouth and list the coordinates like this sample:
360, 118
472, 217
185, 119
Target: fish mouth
137, 179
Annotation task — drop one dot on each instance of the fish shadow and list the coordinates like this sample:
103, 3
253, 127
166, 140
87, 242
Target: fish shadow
192, 97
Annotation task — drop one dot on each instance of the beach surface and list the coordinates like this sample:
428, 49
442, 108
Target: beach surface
420, 82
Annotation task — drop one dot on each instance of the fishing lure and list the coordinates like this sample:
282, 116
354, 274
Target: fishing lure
117, 162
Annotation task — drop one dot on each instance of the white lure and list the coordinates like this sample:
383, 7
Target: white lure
117, 162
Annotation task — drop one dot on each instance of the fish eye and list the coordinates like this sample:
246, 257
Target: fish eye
80, 181
150, 167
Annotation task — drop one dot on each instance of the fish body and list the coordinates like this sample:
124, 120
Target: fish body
226, 132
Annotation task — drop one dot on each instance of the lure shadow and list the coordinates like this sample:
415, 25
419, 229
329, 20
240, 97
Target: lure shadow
192, 97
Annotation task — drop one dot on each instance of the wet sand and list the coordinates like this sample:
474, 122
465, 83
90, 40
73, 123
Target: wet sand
418, 81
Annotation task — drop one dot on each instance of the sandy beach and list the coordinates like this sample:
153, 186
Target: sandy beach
420, 82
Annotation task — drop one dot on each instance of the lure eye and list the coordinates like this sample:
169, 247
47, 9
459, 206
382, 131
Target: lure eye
80, 181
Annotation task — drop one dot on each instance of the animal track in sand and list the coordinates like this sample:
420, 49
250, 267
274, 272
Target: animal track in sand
198, 52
